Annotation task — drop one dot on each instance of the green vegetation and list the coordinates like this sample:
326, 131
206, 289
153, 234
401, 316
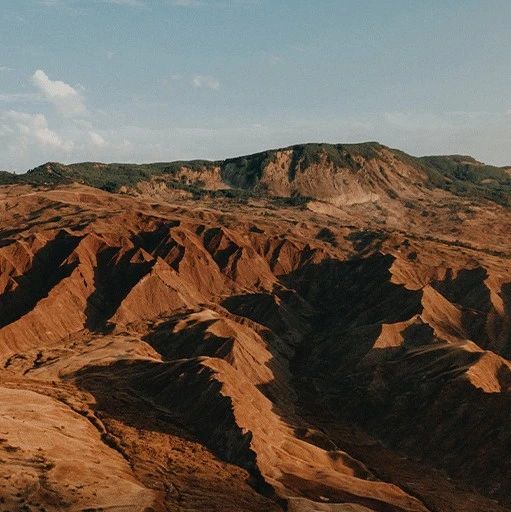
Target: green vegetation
238, 195
460, 175
291, 201
464, 176
365, 238
107, 177
6, 178
245, 171
110, 177
326, 235
340, 155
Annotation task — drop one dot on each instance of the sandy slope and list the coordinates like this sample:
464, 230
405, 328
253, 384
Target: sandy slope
214, 355
53, 456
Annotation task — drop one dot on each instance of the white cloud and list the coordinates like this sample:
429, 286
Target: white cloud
5, 130
221, 4
28, 140
96, 139
187, 3
65, 98
63, 3
203, 81
16, 97
420, 121
131, 3
32, 129
274, 59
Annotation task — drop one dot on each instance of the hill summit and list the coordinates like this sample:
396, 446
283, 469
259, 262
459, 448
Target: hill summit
335, 173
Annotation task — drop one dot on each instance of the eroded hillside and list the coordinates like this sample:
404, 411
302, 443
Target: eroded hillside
160, 351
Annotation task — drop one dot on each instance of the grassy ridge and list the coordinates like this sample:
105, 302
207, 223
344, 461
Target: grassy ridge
464, 176
6, 178
460, 175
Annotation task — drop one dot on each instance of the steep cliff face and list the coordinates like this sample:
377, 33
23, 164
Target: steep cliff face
338, 174
216, 352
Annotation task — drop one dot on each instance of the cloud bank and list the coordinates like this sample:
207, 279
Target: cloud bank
205, 82
66, 99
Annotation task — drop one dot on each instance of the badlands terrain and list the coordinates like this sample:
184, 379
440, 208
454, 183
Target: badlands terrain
321, 328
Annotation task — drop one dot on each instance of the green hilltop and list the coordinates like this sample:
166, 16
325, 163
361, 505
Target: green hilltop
458, 174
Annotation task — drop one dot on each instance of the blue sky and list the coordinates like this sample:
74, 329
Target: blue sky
152, 80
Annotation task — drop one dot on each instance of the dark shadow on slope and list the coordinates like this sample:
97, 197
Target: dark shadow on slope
354, 293
192, 341
283, 312
6, 241
469, 291
258, 307
408, 396
48, 268
504, 378
504, 327
351, 300
180, 398
220, 246
366, 241
417, 400
114, 277
330, 316
152, 240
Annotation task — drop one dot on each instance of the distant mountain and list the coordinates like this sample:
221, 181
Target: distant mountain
335, 173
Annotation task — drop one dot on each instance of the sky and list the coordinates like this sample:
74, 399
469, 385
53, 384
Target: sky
161, 80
